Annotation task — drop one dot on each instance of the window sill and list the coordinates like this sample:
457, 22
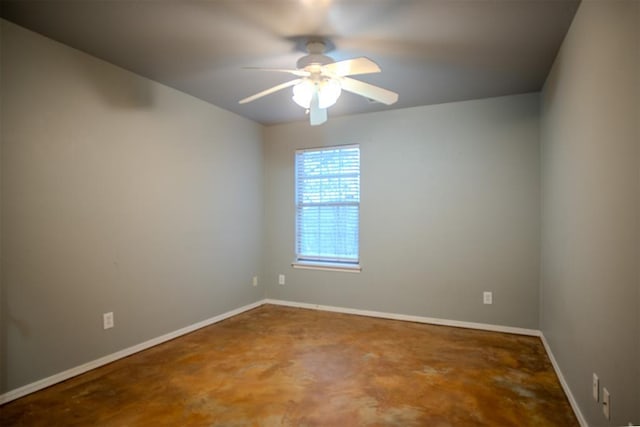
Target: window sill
327, 266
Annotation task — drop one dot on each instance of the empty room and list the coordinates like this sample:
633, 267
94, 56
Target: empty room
320, 213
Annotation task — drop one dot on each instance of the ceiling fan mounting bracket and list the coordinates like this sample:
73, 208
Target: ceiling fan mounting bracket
316, 47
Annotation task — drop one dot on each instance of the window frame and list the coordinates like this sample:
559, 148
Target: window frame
318, 262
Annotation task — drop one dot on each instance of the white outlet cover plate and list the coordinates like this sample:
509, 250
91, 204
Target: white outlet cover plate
107, 320
606, 403
487, 297
596, 388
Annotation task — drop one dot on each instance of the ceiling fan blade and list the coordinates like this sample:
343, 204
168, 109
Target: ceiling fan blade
351, 67
369, 91
317, 115
294, 71
270, 90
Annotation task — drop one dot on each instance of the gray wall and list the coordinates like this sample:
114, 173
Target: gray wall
591, 208
118, 194
449, 209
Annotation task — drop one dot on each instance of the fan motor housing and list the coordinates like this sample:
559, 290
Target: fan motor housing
313, 58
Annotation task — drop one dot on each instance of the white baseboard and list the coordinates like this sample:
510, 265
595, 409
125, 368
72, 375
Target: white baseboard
563, 382
409, 318
65, 375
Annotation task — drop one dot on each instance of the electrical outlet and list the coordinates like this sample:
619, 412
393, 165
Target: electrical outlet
595, 387
606, 403
281, 279
487, 297
254, 282
107, 320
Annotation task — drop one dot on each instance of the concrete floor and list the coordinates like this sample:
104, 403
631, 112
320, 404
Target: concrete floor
280, 366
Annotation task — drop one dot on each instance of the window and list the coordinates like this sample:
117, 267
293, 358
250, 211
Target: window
328, 207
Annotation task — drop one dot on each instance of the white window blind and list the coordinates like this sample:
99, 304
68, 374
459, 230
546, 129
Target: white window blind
328, 204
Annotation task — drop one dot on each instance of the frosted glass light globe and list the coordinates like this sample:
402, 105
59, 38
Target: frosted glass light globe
328, 92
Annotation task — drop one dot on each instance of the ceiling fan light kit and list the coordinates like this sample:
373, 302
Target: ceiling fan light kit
328, 90
321, 81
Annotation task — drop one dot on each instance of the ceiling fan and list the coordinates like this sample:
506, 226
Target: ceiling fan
321, 80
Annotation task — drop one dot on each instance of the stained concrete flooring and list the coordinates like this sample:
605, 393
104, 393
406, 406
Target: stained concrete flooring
281, 366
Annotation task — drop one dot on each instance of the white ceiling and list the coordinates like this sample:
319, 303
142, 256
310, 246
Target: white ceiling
430, 51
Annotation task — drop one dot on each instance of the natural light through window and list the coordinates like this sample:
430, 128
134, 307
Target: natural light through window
328, 207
